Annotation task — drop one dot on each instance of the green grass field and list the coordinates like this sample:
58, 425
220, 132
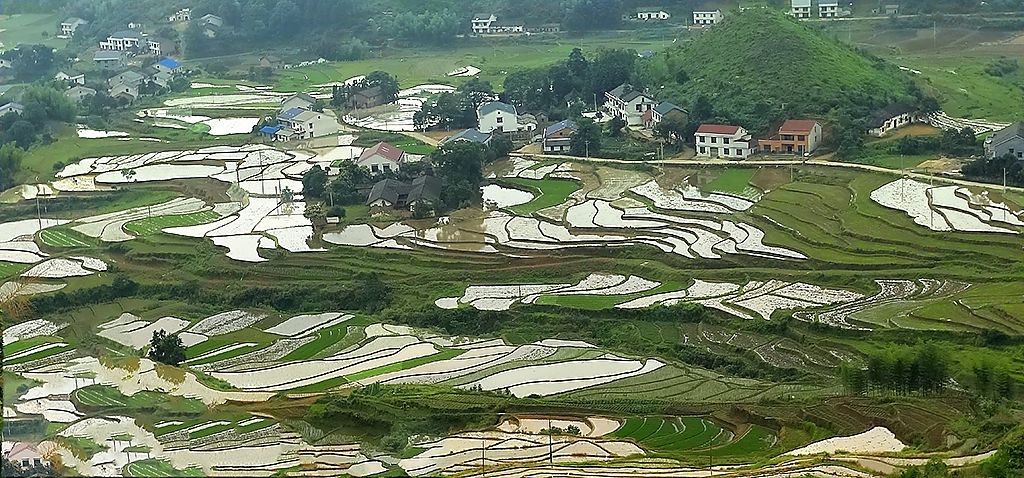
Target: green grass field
153, 225
551, 192
31, 28
683, 434
157, 468
11, 269
65, 237
736, 182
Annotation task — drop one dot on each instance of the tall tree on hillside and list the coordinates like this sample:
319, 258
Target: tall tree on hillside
314, 182
10, 162
387, 83
459, 166
166, 349
586, 141
611, 68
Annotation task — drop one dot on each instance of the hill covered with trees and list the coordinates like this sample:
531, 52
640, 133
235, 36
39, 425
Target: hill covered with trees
760, 66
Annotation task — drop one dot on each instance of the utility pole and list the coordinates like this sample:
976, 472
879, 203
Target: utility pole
551, 450
587, 143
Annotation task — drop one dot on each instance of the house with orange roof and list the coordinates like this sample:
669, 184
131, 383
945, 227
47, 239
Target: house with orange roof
795, 136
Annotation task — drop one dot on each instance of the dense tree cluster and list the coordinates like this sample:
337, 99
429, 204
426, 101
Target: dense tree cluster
996, 169
577, 79
166, 349
31, 62
952, 142
456, 110
376, 79
920, 370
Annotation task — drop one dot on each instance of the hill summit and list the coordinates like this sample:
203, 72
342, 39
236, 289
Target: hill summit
760, 66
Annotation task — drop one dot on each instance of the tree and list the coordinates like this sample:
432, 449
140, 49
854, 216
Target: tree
166, 349
314, 182
345, 186
1009, 459
387, 83
500, 145
587, 139
672, 128
459, 166
615, 126
477, 92
10, 163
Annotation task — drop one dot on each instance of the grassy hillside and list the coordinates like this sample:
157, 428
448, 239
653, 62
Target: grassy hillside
760, 66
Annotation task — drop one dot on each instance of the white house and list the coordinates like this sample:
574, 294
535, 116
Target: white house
298, 100
652, 13
122, 41
497, 116
12, 107
828, 8
183, 15
707, 17
801, 9
69, 26
26, 455
300, 123
628, 104
558, 137
74, 79
381, 157
79, 93
724, 141
894, 116
482, 22
109, 59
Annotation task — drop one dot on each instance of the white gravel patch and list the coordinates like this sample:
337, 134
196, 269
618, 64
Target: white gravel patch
30, 329
500, 196
293, 239
226, 322
160, 172
910, 196
301, 323
447, 303
15, 288
669, 199
26, 228
875, 440
56, 411
93, 134
58, 268
468, 70
226, 126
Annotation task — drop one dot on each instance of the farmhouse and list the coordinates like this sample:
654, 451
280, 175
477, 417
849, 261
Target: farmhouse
488, 24
108, 59
627, 104
12, 107
1009, 140
482, 22
707, 17
368, 98
801, 9
652, 13
828, 8
381, 157
79, 93
891, 117
69, 26
183, 15
160, 46
72, 79
298, 100
300, 123
128, 78
664, 109
794, 137
125, 40
26, 455
892, 9
124, 92
211, 24
557, 137
472, 135
497, 116
167, 65
724, 141
392, 193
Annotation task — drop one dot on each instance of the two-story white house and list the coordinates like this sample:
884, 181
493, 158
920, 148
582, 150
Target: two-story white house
183, 15
707, 17
69, 26
300, 123
497, 116
724, 141
126, 40
801, 9
652, 13
628, 104
381, 157
828, 8
482, 22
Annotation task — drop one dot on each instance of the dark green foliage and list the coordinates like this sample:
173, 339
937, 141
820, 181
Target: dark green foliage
500, 145
587, 139
935, 468
1009, 459
459, 166
952, 143
993, 170
920, 370
593, 14
31, 62
577, 78
166, 349
10, 161
752, 66
345, 186
314, 182
615, 126
42, 105
1002, 66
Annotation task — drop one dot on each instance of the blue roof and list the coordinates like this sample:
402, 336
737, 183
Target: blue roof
270, 129
559, 126
292, 113
169, 63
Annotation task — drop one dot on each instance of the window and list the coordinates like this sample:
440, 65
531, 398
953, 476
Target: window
501, 119
725, 140
801, 138
374, 168
714, 140
1020, 154
703, 150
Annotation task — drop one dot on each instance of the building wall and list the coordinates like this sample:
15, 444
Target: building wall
498, 120
715, 146
1014, 146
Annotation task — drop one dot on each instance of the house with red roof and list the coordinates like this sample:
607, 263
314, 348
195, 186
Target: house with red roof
795, 136
381, 157
724, 141
26, 455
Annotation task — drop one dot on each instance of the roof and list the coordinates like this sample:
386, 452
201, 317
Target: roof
80, 89
828, 3
74, 21
13, 106
291, 113
306, 115
559, 126
708, 11
300, 96
22, 447
718, 129
625, 92
128, 77
270, 130
107, 55
482, 16
798, 126
126, 34
369, 92
802, 3
384, 150
650, 9
472, 135
488, 108
398, 193
880, 116
169, 63
665, 108
1015, 130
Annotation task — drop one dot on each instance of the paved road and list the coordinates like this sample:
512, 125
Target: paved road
918, 15
775, 162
